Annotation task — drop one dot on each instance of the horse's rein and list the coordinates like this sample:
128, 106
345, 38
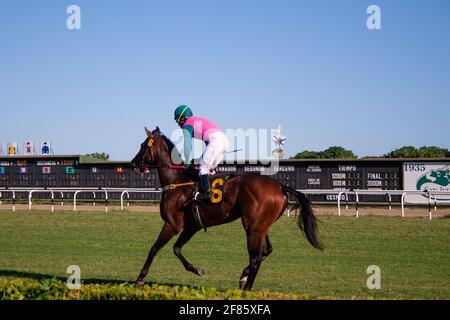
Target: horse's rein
150, 144
177, 185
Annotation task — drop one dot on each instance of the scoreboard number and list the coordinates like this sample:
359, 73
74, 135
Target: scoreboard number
414, 167
70, 170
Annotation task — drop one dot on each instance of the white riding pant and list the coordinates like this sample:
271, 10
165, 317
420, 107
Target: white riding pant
215, 152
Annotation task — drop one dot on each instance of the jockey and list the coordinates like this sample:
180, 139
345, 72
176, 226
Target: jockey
216, 145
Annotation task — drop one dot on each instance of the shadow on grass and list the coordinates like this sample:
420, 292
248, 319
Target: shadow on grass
40, 276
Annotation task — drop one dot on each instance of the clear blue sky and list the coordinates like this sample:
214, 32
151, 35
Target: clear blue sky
311, 66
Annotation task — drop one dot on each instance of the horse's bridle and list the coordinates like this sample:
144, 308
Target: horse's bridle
149, 146
151, 142
148, 150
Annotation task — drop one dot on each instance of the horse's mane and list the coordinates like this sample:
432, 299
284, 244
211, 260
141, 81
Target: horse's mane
169, 144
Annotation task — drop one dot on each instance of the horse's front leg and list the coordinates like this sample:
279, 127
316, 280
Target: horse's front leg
185, 236
167, 233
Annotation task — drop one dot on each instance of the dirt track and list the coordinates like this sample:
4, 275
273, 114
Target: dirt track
320, 210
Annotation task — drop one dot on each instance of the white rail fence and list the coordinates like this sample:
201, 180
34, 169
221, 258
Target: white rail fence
341, 195
76, 192
388, 193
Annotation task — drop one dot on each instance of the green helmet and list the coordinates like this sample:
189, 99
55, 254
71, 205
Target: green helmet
181, 111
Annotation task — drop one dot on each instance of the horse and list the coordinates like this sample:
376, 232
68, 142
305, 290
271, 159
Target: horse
258, 200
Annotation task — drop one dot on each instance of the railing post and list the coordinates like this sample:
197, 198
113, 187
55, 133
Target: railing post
339, 202
390, 201
106, 200
53, 200
403, 204
121, 199
75, 200
346, 201
14, 200
29, 199
429, 203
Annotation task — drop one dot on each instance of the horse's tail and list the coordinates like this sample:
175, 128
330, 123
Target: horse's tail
306, 219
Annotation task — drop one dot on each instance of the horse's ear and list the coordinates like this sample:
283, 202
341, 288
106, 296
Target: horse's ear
157, 130
149, 134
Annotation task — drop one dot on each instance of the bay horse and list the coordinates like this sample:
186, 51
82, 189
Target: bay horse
257, 199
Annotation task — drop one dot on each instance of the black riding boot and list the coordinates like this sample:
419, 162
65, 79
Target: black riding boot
205, 188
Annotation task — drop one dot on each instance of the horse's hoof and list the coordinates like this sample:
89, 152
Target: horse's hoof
199, 272
243, 282
139, 284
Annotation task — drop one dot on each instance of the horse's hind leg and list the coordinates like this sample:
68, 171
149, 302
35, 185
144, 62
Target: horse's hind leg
165, 235
267, 250
185, 236
244, 278
256, 249
256, 257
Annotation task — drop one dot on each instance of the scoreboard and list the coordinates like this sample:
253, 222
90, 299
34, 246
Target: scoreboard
339, 176
330, 175
71, 172
333, 175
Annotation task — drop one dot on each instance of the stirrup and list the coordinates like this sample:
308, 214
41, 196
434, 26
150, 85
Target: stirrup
200, 196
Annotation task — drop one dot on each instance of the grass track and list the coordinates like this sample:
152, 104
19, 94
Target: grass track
413, 253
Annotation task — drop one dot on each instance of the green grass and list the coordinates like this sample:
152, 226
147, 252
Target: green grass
413, 253
54, 289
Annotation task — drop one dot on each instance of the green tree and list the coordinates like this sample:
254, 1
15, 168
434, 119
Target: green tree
334, 152
432, 152
403, 152
422, 152
338, 153
307, 155
97, 155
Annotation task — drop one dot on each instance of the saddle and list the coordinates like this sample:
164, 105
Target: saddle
217, 182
